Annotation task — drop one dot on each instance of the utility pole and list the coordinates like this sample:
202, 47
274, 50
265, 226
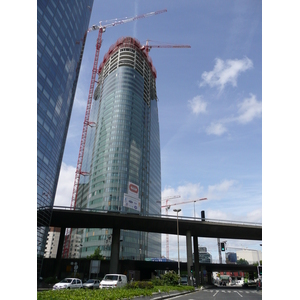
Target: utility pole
177, 211
219, 248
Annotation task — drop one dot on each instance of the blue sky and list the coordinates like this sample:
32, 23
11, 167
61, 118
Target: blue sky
210, 104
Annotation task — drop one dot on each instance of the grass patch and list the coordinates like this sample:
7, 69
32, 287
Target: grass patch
108, 294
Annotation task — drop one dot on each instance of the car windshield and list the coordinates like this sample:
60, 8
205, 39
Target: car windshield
111, 277
66, 280
90, 281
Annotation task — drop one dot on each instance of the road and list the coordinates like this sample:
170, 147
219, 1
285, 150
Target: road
223, 293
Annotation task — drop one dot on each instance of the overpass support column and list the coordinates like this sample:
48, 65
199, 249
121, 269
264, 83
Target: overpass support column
115, 248
202, 275
59, 251
196, 259
189, 256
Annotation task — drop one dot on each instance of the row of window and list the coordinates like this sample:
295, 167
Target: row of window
124, 78
111, 169
134, 167
118, 129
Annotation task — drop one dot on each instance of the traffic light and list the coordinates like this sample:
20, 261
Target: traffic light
259, 270
222, 246
192, 269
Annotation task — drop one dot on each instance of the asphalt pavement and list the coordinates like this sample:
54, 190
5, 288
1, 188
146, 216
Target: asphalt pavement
210, 292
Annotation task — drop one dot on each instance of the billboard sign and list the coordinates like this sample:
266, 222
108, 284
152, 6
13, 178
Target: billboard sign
133, 190
132, 202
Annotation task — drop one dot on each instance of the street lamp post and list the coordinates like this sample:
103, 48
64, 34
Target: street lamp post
177, 211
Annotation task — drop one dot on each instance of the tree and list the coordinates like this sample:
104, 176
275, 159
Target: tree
242, 261
96, 256
170, 278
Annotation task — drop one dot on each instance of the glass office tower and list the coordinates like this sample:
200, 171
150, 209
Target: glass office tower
123, 150
61, 32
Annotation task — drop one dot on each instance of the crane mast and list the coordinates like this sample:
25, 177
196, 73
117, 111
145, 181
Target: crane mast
86, 123
167, 209
101, 28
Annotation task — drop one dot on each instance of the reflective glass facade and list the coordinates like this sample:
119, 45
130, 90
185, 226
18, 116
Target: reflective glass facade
125, 147
61, 32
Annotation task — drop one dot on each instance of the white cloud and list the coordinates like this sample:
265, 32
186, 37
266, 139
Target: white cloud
216, 215
249, 109
197, 105
216, 128
80, 101
225, 72
191, 191
65, 185
217, 191
254, 216
188, 191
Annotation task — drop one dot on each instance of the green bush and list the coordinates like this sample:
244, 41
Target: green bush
170, 278
157, 282
140, 285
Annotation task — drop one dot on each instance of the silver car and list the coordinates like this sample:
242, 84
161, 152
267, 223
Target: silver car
68, 283
91, 284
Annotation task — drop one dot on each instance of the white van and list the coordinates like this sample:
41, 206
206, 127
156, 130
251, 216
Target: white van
113, 281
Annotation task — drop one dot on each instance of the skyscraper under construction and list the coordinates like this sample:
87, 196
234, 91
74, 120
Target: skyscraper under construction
122, 151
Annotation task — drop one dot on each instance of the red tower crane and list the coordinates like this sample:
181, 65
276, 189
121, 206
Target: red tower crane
168, 206
86, 123
102, 28
167, 209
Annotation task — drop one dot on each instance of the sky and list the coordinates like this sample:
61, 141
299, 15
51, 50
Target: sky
210, 106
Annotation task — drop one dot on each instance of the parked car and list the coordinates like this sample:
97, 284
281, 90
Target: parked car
113, 281
183, 280
91, 284
68, 283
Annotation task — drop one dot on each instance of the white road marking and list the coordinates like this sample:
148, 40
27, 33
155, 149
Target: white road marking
238, 293
216, 293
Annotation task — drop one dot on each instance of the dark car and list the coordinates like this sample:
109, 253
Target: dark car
184, 280
91, 284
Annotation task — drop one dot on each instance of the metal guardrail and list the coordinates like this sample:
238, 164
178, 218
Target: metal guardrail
157, 216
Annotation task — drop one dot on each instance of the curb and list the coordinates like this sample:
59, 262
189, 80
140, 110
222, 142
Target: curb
170, 295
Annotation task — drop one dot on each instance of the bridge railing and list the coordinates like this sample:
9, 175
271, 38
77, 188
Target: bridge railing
234, 222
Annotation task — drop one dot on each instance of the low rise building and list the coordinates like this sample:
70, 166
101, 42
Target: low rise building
52, 242
251, 256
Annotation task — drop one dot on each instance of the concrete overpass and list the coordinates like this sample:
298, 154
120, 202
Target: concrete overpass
87, 218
